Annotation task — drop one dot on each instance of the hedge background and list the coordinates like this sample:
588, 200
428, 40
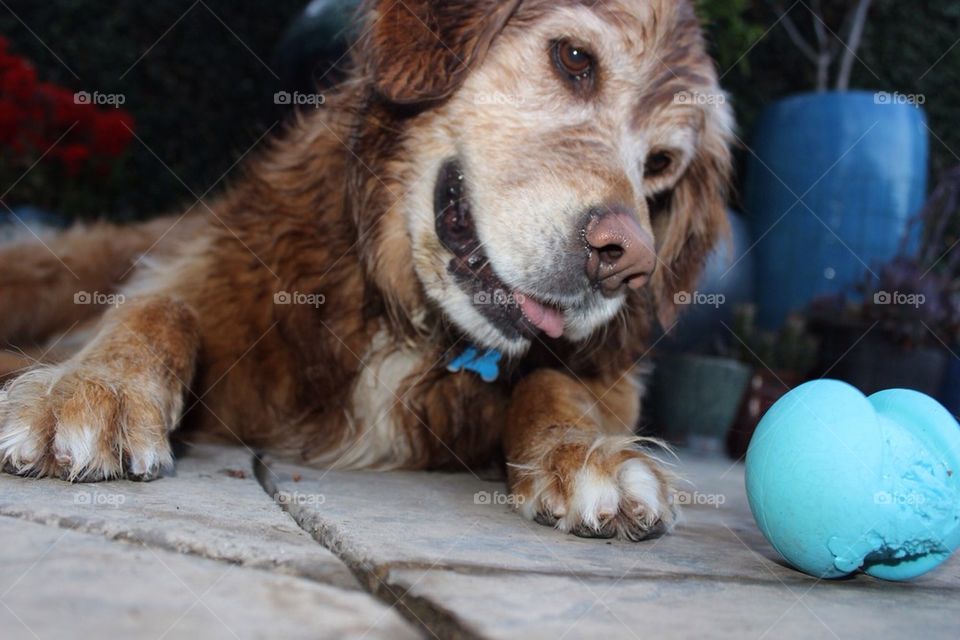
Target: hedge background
201, 98
902, 44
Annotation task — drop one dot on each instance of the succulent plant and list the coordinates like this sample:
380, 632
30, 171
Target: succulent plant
940, 237
791, 348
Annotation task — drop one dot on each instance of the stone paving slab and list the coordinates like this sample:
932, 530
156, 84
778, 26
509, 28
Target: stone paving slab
212, 506
459, 520
61, 583
550, 607
447, 546
132, 560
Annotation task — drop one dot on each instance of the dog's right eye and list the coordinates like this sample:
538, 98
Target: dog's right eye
574, 62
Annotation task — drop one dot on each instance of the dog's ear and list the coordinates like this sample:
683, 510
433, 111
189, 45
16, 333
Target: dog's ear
695, 219
421, 50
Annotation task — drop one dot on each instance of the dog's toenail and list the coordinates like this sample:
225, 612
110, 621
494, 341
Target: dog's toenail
545, 519
586, 531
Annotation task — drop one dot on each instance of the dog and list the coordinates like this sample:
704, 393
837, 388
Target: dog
462, 257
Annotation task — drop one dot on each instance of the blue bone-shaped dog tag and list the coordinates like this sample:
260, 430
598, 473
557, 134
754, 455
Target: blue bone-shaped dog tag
486, 364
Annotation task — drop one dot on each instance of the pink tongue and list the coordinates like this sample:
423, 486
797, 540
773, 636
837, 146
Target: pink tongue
547, 319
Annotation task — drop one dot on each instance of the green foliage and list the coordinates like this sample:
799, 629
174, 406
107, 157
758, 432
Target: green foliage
910, 48
733, 30
201, 98
791, 349
913, 49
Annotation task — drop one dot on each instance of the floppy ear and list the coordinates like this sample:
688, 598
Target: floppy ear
696, 219
421, 50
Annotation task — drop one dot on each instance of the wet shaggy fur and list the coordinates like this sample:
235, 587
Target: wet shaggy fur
308, 310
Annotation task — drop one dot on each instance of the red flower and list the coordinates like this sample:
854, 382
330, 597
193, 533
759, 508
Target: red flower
112, 132
61, 107
35, 114
19, 80
9, 121
73, 156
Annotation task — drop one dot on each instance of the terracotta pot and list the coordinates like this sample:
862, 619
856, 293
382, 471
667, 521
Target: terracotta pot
763, 390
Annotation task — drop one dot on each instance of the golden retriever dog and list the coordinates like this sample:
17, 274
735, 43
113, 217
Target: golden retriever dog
459, 259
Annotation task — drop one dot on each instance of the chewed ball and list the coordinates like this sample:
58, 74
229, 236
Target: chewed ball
839, 482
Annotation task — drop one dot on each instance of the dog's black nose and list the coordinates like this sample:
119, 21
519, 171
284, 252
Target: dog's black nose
622, 253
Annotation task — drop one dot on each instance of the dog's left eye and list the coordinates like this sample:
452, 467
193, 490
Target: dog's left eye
657, 164
573, 60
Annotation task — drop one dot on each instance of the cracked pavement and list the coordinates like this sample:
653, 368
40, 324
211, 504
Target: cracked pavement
229, 547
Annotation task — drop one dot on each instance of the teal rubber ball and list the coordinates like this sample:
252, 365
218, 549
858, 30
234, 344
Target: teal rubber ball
839, 482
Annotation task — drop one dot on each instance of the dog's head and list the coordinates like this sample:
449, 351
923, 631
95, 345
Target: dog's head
554, 159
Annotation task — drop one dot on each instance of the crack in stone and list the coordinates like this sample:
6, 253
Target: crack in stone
391, 580
428, 616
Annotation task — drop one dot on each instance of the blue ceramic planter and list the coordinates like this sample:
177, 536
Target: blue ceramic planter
858, 166
727, 281
14, 222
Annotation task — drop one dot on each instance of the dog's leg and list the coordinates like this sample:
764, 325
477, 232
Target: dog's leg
575, 464
107, 411
47, 283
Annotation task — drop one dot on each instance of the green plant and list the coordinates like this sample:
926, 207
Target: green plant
940, 237
827, 46
733, 29
918, 56
909, 48
790, 349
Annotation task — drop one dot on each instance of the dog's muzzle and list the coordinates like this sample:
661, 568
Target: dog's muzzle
608, 252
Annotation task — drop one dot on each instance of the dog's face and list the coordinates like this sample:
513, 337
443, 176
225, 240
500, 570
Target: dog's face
572, 154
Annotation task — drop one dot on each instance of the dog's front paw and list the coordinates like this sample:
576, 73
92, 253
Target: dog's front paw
599, 487
82, 423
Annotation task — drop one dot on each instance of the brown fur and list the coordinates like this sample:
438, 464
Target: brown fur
320, 213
